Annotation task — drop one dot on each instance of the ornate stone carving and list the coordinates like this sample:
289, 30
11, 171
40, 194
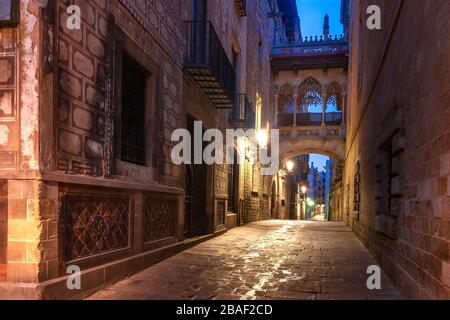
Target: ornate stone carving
160, 217
93, 224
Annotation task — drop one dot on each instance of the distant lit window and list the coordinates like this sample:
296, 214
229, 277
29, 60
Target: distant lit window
9, 13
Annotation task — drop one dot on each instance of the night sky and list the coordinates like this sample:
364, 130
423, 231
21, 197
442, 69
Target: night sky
312, 13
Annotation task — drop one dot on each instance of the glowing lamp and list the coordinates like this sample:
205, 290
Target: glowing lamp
290, 166
263, 139
311, 202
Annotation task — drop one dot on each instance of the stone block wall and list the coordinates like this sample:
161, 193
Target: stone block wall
65, 81
399, 116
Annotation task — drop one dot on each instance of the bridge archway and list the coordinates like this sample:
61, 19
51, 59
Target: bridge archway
332, 148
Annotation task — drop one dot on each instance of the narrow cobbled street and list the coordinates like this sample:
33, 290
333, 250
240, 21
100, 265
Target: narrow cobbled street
265, 260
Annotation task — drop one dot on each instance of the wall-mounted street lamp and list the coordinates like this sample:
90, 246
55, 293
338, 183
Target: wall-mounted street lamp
9, 13
288, 168
290, 165
304, 189
263, 139
262, 143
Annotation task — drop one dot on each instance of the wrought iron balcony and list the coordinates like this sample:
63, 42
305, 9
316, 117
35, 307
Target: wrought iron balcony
243, 115
207, 62
242, 7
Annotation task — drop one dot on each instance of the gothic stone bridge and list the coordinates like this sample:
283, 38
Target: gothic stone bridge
306, 133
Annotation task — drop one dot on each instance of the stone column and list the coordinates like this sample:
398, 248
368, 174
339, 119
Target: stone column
295, 109
32, 253
324, 109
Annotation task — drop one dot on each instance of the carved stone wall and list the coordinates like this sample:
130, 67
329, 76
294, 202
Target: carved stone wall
160, 217
94, 224
399, 133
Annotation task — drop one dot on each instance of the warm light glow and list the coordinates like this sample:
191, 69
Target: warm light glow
263, 138
290, 165
304, 189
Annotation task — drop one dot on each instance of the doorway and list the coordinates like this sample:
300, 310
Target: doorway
273, 201
233, 188
195, 199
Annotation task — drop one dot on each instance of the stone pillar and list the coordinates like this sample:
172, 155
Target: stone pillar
324, 109
295, 109
32, 254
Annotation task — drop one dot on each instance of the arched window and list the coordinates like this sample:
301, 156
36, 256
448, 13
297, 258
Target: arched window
286, 103
310, 96
289, 105
334, 98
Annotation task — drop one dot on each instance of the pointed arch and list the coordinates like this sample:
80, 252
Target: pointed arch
286, 102
334, 96
286, 90
310, 94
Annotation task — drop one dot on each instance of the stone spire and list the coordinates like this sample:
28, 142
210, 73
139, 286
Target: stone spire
326, 27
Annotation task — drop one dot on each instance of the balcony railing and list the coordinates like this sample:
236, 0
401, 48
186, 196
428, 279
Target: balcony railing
311, 53
303, 119
334, 118
242, 7
207, 62
243, 115
308, 119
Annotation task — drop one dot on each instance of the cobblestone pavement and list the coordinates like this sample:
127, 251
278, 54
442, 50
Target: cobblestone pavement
265, 260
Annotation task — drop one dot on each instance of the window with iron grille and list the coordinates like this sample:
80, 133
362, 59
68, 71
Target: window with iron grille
134, 81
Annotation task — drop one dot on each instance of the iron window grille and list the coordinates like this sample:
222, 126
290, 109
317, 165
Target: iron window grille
133, 141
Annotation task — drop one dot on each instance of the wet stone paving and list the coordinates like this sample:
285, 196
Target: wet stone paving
265, 260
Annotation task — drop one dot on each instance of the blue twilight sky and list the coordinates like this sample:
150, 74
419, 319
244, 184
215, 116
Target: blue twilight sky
319, 160
312, 13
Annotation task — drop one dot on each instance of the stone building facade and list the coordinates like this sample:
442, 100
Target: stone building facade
86, 123
237, 194
86, 182
396, 177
